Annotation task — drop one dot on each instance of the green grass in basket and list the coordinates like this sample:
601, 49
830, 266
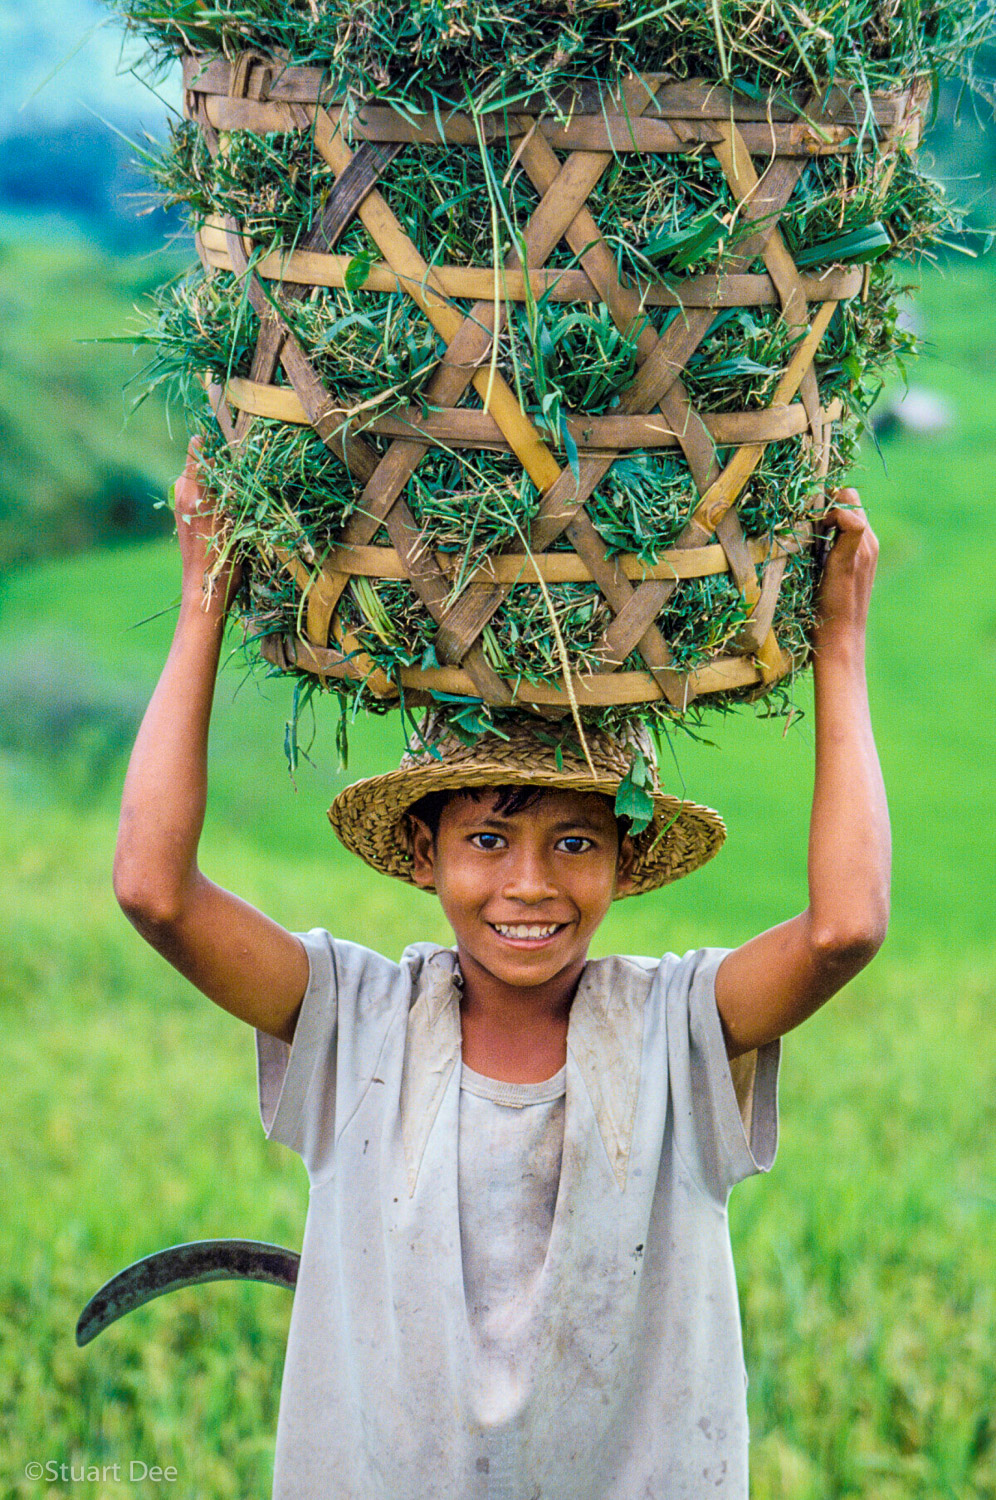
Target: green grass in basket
463, 206
375, 351
400, 49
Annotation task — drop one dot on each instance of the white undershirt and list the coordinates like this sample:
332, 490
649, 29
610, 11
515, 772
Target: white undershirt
510, 1148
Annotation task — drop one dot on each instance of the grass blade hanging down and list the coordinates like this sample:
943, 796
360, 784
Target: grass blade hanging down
562, 653
717, 24
496, 255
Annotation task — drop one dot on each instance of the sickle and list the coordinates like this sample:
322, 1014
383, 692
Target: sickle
185, 1265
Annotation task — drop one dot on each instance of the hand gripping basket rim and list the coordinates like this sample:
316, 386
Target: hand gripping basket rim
371, 816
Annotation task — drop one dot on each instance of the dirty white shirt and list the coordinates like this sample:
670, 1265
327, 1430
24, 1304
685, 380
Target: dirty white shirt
630, 1380
511, 1139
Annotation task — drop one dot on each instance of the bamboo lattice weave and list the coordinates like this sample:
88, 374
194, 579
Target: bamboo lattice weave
761, 147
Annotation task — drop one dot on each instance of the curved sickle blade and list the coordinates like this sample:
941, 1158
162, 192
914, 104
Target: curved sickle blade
185, 1265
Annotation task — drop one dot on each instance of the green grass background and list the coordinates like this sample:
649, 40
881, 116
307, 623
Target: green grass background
129, 1119
74, 472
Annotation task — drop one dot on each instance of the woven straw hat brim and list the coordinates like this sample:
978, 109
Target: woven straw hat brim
369, 817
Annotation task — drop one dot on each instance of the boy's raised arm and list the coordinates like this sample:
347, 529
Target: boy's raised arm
778, 979
238, 957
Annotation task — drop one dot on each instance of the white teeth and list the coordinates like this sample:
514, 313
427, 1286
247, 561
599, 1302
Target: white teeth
521, 930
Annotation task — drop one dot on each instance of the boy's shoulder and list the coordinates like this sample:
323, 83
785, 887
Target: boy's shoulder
617, 980
365, 980
344, 957
631, 960
665, 968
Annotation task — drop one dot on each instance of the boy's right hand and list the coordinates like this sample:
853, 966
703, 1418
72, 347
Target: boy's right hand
210, 575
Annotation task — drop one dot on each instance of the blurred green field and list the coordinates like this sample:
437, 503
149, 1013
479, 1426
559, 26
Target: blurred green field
74, 471
865, 1260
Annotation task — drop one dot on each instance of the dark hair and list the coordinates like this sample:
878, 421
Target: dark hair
509, 800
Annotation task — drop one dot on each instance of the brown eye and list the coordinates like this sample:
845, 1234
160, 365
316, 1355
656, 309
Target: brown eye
488, 841
575, 844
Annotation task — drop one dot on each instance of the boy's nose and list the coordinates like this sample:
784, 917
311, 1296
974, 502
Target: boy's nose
529, 878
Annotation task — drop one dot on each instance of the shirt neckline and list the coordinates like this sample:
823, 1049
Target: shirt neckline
514, 1095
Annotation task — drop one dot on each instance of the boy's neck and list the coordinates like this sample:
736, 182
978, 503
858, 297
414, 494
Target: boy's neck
513, 1033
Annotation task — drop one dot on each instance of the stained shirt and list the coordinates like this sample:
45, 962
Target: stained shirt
630, 1381
511, 1139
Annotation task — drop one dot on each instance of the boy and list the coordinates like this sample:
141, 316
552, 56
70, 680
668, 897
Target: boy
516, 1276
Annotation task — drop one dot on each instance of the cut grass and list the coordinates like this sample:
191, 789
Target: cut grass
284, 489
660, 216
398, 52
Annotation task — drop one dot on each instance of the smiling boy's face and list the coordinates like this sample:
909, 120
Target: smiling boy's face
525, 891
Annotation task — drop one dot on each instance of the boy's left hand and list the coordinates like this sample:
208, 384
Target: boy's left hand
848, 573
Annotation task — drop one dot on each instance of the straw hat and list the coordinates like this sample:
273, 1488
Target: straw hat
370, 817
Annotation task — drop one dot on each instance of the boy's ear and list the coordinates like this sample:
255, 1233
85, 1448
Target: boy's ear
423, 852
624, 865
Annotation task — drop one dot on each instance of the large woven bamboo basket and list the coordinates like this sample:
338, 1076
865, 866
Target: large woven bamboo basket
762, 148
